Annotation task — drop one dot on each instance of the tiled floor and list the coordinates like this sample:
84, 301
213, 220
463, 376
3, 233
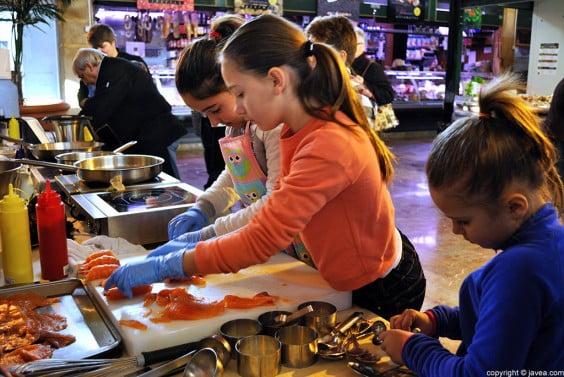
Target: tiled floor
446, 258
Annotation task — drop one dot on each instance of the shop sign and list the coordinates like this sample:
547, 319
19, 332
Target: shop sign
408, 10
256, 7
349, 8
184, 5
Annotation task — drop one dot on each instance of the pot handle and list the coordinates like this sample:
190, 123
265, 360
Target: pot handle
125, 146
46, 164
17, 141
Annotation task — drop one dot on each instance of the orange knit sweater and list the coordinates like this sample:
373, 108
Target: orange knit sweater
330, 191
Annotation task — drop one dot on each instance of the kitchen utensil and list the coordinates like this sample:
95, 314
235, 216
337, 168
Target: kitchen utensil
169, 367
132, 168
322, 318
299, 346
362, 328
96, 335
204, 363
236, 329
220, 345
48, 151
331, 353
364, 370
284, 318
216, 342
378, 328
258, 356
70, 127
332, 339
70, 158
269, 325
101, 367
9, 173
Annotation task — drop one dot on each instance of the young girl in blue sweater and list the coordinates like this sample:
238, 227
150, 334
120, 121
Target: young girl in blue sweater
494, 176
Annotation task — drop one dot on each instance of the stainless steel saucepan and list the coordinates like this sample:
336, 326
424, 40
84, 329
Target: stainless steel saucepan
48, 151
132, 168
71, 157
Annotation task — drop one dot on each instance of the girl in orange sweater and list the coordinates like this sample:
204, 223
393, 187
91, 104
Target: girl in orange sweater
332, 188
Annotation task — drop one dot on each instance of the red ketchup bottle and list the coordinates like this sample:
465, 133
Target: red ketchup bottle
52, 234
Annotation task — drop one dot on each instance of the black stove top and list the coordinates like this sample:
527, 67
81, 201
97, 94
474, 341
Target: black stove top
135, 200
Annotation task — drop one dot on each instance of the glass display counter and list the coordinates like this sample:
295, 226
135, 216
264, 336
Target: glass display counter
164, 80
417, 88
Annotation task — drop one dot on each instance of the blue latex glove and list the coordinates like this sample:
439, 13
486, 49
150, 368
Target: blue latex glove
186, 241
146, 271
191, 220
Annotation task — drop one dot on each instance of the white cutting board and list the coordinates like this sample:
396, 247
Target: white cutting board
293, 281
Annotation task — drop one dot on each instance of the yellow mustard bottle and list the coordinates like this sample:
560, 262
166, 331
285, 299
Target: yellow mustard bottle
14, 128
16, 243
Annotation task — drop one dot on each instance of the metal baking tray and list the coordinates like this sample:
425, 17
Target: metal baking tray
95, 334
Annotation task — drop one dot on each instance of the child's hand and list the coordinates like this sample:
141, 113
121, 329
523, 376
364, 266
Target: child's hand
411, 319
392, 343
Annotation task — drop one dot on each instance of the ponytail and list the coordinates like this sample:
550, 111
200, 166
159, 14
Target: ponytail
198, 71
323, 81
505, 143
327, 86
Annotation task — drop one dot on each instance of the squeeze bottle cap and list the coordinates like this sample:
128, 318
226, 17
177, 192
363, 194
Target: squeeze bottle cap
11, 202
48, 197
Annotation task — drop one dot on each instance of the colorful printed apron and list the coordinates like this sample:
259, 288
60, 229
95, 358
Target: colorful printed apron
250, 181
248, 178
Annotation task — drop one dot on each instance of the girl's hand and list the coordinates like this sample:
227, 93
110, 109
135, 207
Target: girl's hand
392, 343
411, 319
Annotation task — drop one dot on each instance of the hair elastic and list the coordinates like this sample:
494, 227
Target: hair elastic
484, 115
215, 35
308, 47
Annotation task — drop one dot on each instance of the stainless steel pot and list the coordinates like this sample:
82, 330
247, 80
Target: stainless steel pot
71, 157
48, 151
132, 168
70, 127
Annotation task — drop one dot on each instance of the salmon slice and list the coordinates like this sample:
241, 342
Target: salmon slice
98, 254
101, 271
104, 259
260, 299
114, 293
133, 323
27, 353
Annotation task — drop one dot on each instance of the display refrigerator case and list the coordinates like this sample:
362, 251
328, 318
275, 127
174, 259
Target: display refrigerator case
417, 89
164, 80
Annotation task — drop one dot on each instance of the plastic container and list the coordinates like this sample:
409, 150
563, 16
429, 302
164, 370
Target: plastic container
52, 235
14, 128
16, 243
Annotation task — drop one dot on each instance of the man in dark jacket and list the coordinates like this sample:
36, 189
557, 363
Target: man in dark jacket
128, 106
103, 38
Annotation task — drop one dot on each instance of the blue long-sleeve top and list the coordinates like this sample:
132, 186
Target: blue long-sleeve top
511, 313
